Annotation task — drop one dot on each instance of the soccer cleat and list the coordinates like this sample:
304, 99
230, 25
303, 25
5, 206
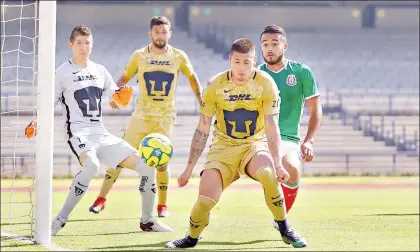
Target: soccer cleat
291, 237
154, 226
98, 205
57, 224
186, 242
162, 211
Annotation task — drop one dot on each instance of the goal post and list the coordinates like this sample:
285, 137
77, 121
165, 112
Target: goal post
45, 120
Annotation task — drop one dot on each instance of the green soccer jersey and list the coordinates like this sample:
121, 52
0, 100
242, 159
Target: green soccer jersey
296, 83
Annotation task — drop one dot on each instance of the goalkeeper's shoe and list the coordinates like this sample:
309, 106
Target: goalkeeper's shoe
186, 242
98, 205
162, 211
154, 226
289, 236
57, 224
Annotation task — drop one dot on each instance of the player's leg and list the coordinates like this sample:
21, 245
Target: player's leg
210, 190
260, 168
90, 166
133, 136
110, 178
292, 164
130, 159
162, 179
163, 173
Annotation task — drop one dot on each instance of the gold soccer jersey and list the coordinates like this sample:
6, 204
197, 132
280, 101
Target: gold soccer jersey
157, 76
240, 109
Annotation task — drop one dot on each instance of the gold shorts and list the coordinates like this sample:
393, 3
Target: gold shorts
230, 160
137, 129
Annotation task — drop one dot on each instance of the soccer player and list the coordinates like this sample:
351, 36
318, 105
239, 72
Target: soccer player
297, 85
246, 104
157, 66
80, 85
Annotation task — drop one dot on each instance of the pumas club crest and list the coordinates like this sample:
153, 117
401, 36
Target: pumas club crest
291, 80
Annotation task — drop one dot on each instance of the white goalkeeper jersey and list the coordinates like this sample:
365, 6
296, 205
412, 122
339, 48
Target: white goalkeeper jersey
80, 91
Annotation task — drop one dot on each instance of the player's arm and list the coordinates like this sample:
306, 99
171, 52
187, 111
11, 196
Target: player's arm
271, 107
109, 84
311, 94
315, 108
122, 96
207, 108
130, 70
188, 71
273, 137
201, 134
119, 97
199, 140
31, 128
58, 90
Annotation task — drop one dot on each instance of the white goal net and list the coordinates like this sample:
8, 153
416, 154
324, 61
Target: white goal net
20, 104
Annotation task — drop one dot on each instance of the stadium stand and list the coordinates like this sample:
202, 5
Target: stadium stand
365, 76
338, 141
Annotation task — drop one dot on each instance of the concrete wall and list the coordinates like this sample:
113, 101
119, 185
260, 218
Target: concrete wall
110, 13
289, 17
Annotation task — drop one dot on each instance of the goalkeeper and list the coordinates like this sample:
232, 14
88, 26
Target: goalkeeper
80, 85
157, 66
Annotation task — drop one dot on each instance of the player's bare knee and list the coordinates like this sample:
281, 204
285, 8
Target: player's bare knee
131, 162
294, 174
211, 184
294, 178
292, 164
260, 160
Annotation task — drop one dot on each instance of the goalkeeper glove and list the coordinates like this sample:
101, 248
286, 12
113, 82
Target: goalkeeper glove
30, 130
122, 96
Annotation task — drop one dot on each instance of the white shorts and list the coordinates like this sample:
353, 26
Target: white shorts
109, 149
289, 147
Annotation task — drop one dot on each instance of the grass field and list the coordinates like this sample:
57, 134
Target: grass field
333, 213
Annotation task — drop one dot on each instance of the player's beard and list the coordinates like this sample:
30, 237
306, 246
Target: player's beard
159, 45
273, 61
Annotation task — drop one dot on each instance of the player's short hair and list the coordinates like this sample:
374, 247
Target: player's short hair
160, 20
274, 29
80, 30
242, 45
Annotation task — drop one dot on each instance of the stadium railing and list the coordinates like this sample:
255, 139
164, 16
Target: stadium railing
379, 132
350, 165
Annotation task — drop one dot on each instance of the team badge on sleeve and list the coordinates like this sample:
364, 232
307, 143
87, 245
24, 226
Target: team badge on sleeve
291, 80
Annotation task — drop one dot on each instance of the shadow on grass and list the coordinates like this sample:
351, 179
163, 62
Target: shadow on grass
103, 234
200, 243
392, 214
112, 219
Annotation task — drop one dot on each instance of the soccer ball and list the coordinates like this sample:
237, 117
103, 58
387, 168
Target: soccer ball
156, 150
